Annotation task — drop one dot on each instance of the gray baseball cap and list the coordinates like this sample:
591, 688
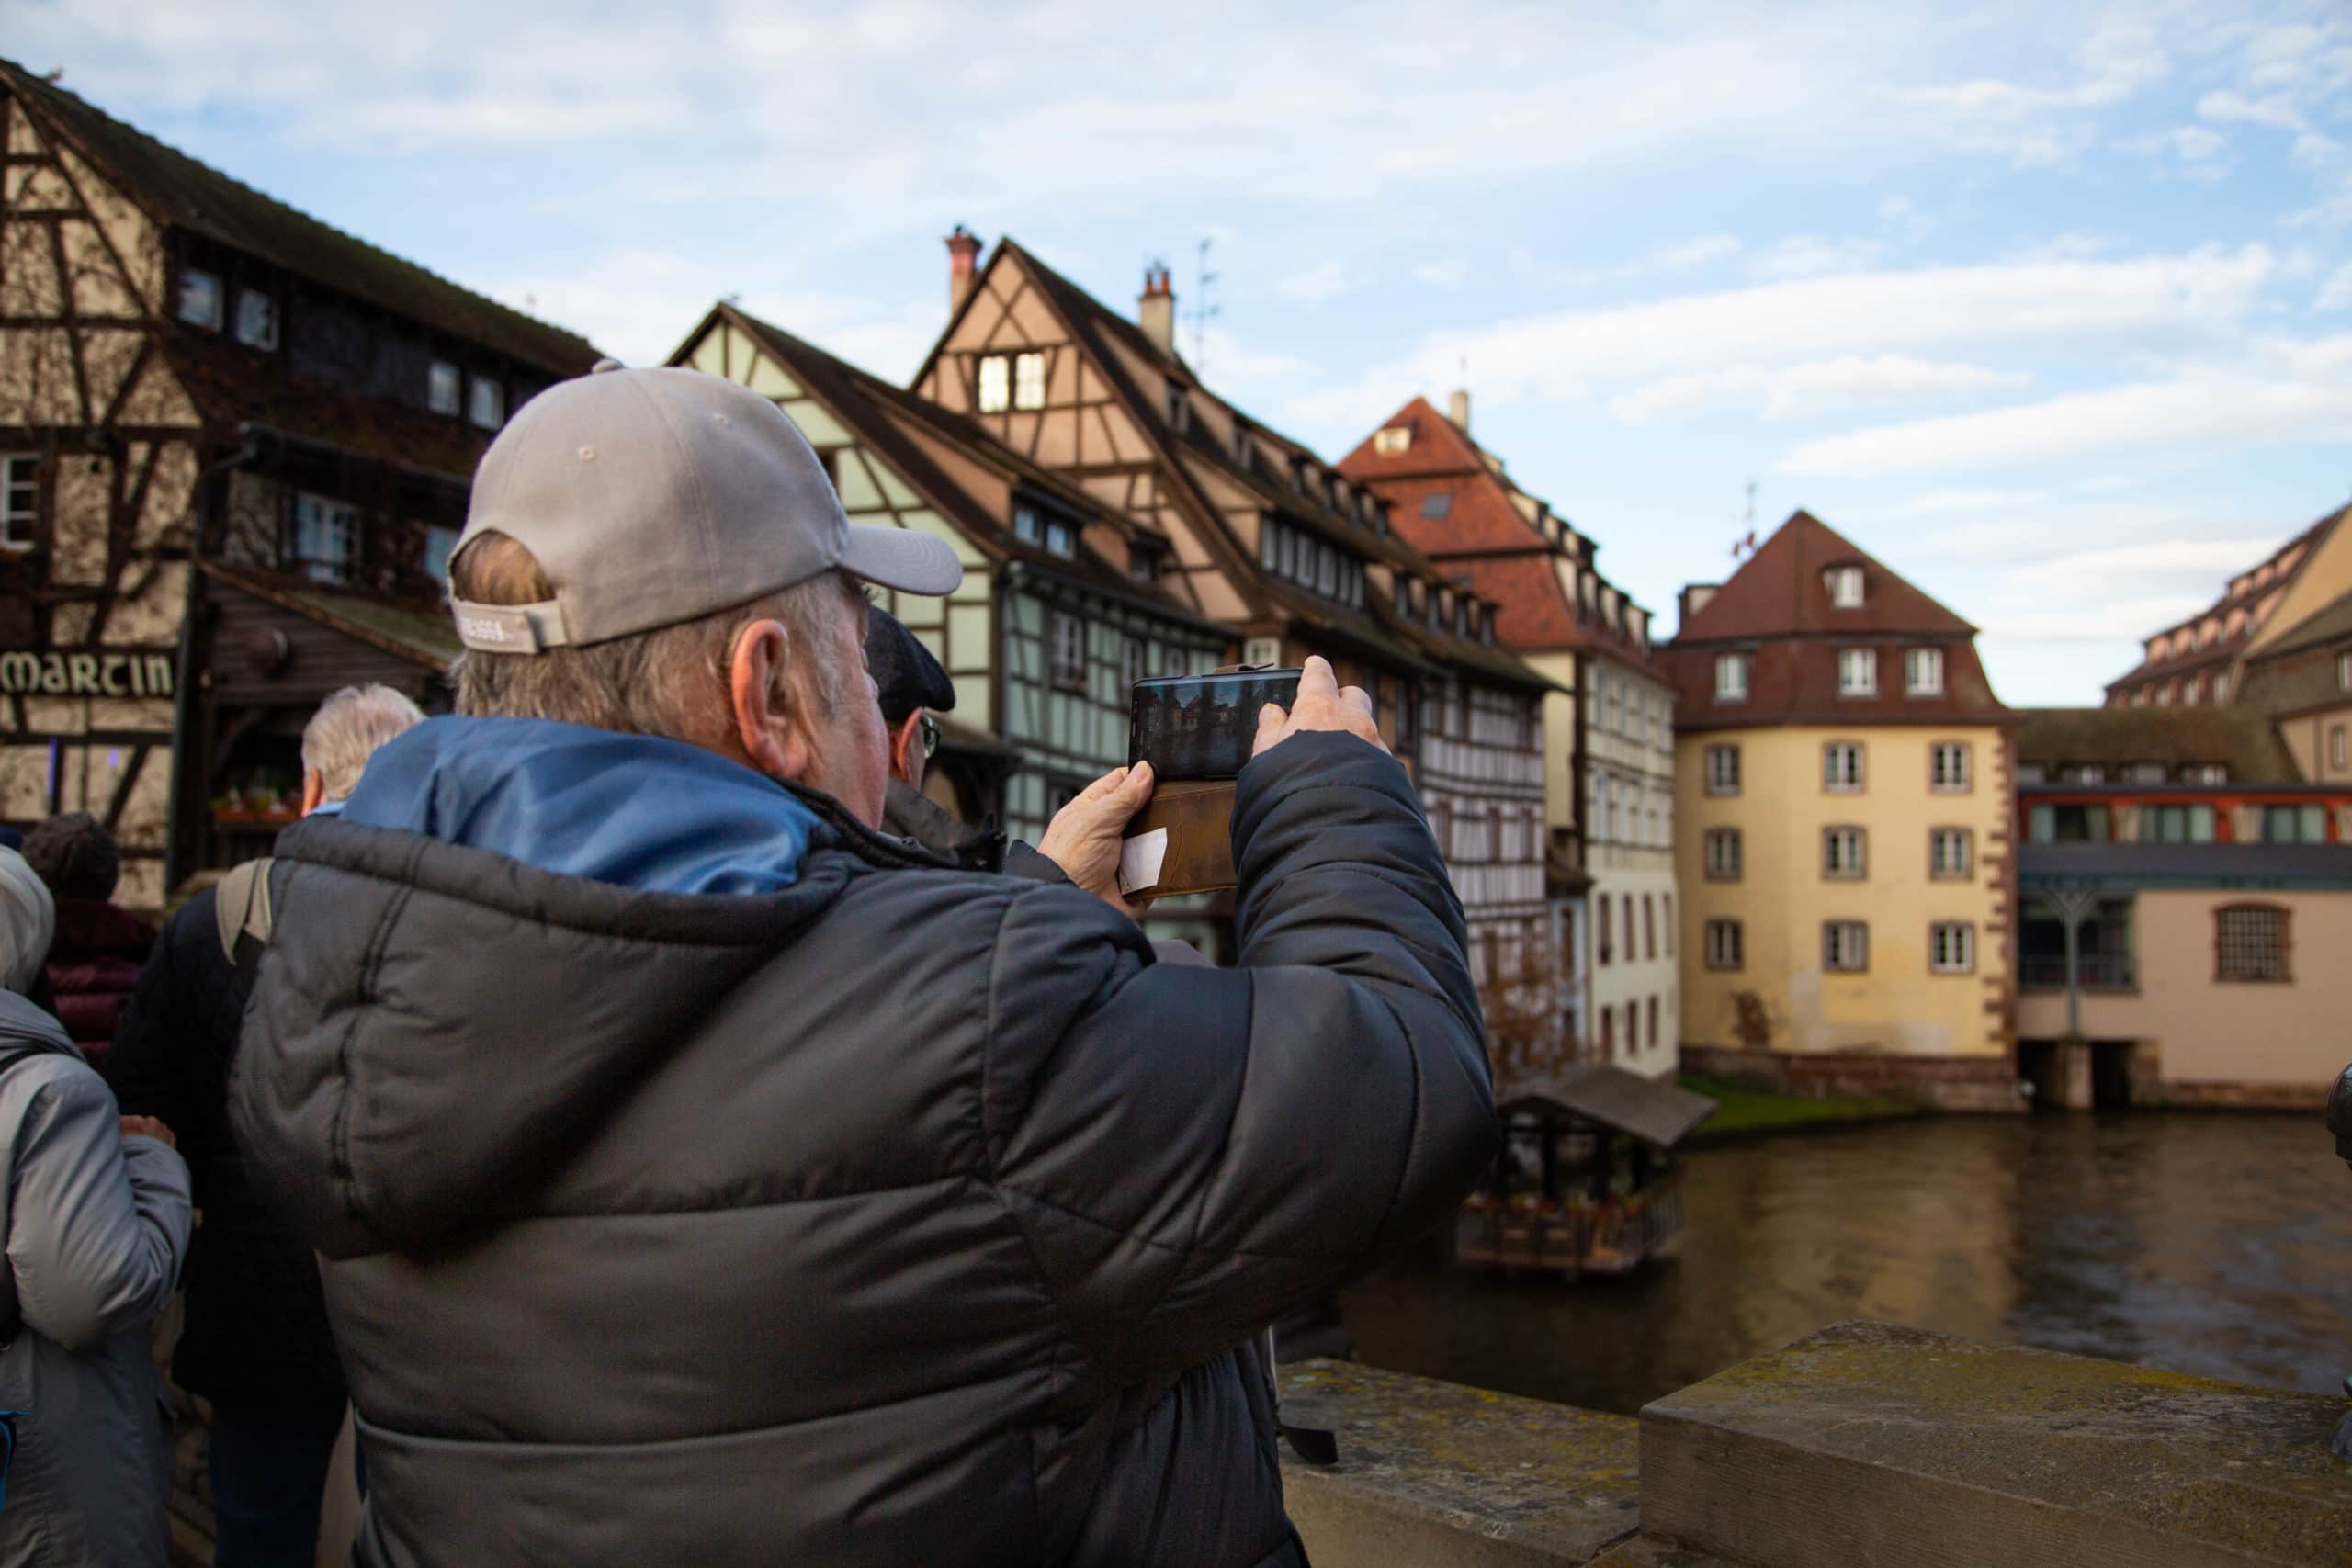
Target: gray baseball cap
653, 497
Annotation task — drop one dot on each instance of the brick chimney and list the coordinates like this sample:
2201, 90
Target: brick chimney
962, 266
1457, 409
1156, 309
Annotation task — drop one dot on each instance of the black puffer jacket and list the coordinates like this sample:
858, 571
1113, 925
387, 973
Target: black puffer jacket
255, 1333
906, 1216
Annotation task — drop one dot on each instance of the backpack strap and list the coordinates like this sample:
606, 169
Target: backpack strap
241, 909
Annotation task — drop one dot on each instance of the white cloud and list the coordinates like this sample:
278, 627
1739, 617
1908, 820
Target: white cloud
1446, 273
2204, 411
1811, 255
1324, 281
1849, 381
2201, 299
2335, 294
2194, 563
2229, 108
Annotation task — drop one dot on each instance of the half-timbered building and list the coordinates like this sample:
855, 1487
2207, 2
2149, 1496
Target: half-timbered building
1055, 619
1253, 530
234, 450
1608, 760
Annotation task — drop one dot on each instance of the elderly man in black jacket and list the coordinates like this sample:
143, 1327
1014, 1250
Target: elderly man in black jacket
704, 1177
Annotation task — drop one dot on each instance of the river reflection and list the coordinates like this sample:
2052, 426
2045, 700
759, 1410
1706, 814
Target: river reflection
2206, 1243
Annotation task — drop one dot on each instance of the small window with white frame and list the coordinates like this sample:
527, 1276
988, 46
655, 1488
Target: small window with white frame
1858, 671
2344, 671
1845, 854
487, 407
1722, 855
1393, 441
995, 389
1951, 948
1731, 677
1029, 380
19, 500
200, 303
1923, 672
1725, 945
1948, 771
1722, 769
326, 537
256, 319
1951, 853
1842, 767
442, 386
1844, 946
1845, 587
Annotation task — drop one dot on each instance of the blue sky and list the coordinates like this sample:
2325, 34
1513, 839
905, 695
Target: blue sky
2049, 305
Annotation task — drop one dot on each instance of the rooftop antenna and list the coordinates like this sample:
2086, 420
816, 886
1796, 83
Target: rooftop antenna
1204, 310
1746, 543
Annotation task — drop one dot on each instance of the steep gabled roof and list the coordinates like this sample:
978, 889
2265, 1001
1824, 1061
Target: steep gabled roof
1781, 591
177, 190
872, 408
1484, 529
1372, 630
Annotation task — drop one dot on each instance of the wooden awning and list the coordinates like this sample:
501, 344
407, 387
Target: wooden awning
1655, 1111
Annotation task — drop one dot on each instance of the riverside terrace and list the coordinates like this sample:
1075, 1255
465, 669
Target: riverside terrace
1862, 1444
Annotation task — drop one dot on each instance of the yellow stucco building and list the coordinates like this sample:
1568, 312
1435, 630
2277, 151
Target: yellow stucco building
1844, 855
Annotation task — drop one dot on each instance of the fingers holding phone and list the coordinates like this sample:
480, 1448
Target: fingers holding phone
1322, 703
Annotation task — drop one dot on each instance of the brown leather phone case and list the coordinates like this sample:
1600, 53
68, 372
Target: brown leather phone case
1198, 815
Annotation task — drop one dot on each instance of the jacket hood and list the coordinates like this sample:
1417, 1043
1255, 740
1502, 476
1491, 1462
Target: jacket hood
23, 1023
510, 925
633, 809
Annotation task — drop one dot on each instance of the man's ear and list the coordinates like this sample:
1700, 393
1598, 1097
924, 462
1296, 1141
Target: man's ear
906, 747
315, 790
767, 720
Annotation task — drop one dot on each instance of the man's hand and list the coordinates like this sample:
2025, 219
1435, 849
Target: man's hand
1083, 836
149, 1127
1321, 705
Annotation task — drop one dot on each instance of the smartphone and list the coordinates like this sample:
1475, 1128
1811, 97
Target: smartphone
1202, 727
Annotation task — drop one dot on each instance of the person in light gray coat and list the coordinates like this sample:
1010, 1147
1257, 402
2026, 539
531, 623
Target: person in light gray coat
97, 1220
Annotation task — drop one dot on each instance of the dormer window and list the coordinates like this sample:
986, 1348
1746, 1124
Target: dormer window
1380, 518
1437, 505
1393, 441
1298, 475
1178, 407
256, 319
1143, 562
1845, 587
1029, 380
1335, 494
1731, 677
1858, 671
200, 299
1241, 443
1923, 672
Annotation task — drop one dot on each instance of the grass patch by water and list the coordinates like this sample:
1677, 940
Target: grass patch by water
1742, 1112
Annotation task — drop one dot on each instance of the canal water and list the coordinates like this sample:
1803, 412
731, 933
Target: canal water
2210, 1243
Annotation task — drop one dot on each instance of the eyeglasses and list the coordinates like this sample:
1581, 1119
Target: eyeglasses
930, 736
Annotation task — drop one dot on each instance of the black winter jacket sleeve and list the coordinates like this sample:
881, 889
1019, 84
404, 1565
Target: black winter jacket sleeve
1203, 1150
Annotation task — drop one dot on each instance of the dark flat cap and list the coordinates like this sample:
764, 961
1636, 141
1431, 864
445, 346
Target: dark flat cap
906, 677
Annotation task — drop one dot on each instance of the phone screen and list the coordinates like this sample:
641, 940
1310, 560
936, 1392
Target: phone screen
1202, 727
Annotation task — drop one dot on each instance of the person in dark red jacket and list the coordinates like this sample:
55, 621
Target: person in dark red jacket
95, 962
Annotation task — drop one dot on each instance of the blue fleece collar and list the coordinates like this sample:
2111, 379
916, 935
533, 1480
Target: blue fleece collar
630, 809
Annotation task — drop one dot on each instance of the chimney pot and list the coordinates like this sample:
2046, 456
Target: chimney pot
1458, 410
1156, 309
962, 266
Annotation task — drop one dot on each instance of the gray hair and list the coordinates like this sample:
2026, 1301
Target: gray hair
346, 730
669, 682
28, 922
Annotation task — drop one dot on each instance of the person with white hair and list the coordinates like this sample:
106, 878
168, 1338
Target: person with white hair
343, 735
97, 1219
254, 1341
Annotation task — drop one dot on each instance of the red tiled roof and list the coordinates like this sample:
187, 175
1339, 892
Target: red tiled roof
1478, 518
1781, 591
1438, 447
1776, 608
2219, 653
